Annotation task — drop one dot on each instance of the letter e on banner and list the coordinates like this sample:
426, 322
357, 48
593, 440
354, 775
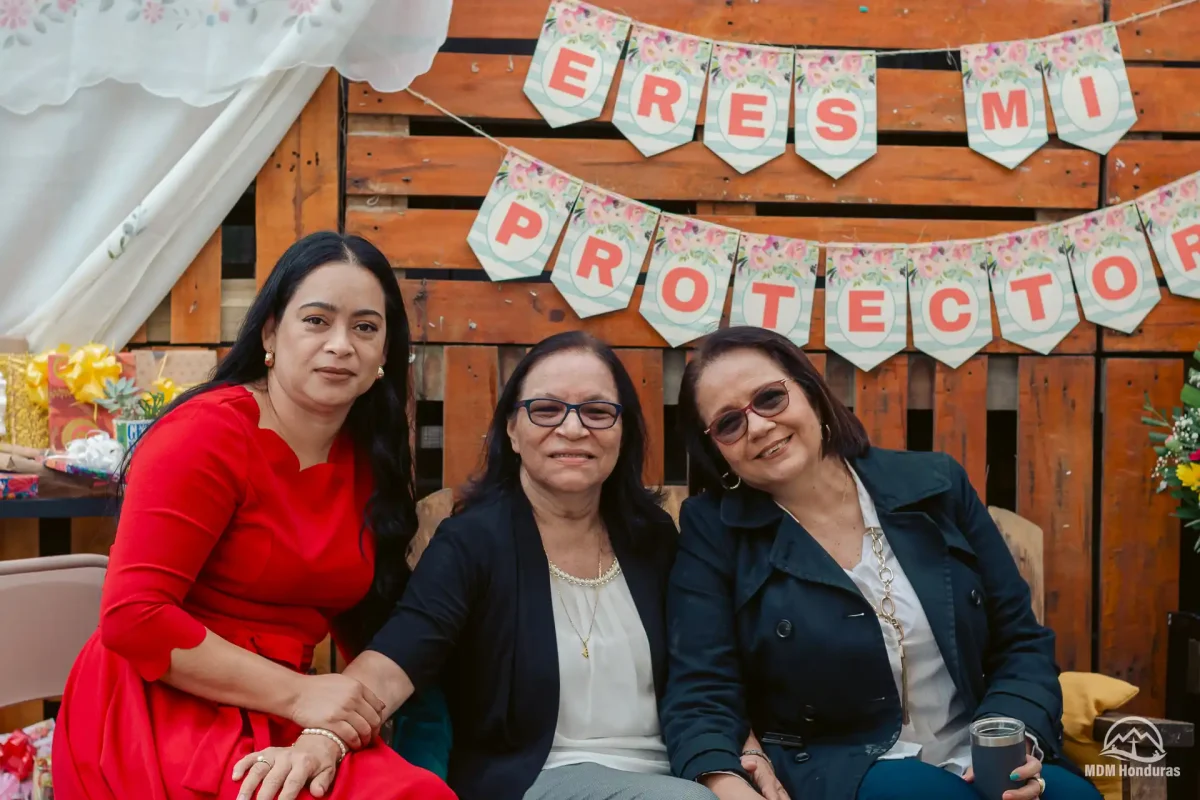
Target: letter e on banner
748, 117
866, 315
1035, 301
685, 292
599, 265
516, 230
574, 74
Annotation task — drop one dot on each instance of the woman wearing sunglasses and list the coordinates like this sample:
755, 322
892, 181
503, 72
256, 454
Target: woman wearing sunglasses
855, 607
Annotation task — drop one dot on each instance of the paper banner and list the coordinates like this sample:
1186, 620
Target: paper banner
521, 217
773, 284
661, 87
1111, 265
749, 94
1031, 282
603, 251
1006, 109
866, 317
1089, 90
835, 109
688, 277
1171, 217
951, 306
574, 62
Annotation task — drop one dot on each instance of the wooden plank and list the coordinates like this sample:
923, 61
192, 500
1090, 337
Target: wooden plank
472, 387
818, 361
1172, 36
1139, 540
882, 23
275, 214
320, 130
1055, 417
960, 417
881, 402
478, 312
196, 298
1171, 326
645, 367
1138, 166
93, 534
464, 167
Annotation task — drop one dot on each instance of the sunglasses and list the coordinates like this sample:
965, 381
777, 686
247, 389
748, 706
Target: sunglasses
545, 412
768, 401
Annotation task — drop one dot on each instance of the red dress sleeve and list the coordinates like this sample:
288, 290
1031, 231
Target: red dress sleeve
183, 487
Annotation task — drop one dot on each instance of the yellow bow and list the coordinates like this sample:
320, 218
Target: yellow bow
168, 388
37, 375
87, 369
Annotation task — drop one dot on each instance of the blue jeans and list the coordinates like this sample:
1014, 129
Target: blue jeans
910, 779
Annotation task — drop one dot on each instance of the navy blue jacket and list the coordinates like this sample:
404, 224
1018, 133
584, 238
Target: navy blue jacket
477, 619
766, 630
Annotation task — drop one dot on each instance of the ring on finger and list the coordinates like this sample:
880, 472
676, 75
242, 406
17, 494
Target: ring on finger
261, 760
1041, 784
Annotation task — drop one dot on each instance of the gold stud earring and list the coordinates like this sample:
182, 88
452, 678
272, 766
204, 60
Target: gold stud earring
269, 359
379, 374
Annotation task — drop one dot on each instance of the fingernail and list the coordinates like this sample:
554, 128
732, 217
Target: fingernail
1014, 777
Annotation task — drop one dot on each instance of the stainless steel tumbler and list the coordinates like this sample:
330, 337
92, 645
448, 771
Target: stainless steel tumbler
997, 748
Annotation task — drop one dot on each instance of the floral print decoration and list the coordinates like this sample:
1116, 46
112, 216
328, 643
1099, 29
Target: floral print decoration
1111, 227
696, 242
583, 23
934, 264
618, 217
537, 182
988, 64
747, 65
831, 70
1071, 52
769, 256
859, 265
1170, 205
1012, 254
666, 51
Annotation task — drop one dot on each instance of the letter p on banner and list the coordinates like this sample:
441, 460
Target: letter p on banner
865, 303
951, 306
773, 284
1005, 105
836, 111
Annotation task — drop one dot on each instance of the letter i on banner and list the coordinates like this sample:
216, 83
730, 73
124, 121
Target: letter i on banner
1089, 90
836, 109
1031, 282
1005, 105
951, 307
866, 320
1111, 267
603, 251
521, 217
661, 87
1171, 218
689, 274
773, 285
749, 94
574, 62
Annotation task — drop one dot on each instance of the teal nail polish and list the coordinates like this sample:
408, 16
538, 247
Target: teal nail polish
1014, 777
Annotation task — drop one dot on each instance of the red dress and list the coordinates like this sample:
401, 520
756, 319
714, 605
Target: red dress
220, 529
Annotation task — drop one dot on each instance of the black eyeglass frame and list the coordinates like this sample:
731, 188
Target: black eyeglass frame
567, 409
746, 409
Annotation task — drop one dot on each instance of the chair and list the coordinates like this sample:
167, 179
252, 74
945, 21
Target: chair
52, 607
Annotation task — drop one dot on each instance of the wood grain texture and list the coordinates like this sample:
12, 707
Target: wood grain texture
1135, 167
881, 402
960, 417
1139, 540
1173, 36
196, 298
884, 23
472, 376
93, 534
320, 131
1173, 326
1055, 418
818, 361
464, 167
645, 367
275, 213
477, 312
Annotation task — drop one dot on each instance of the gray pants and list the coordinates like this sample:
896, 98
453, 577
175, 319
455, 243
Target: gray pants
594, 782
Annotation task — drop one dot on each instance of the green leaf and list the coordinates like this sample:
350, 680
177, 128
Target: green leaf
1190, 396
1155, 436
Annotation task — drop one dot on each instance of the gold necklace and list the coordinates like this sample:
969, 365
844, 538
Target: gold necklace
599, 581
887, 612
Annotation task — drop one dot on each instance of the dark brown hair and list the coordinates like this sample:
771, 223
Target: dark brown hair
846, 435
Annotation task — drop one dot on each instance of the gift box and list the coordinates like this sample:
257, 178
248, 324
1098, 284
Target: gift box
24, 421
71, 418
18, 486
25, 763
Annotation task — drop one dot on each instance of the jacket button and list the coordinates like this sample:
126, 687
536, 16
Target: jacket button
800, 758
784, 629
810, 714
976, 598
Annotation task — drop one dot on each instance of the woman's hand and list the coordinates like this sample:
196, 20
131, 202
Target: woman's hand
763, 774
1030, 772
283, 772
339, 704
729, 787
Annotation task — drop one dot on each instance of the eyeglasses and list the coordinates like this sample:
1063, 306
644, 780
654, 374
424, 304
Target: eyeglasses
768, 401
545, 412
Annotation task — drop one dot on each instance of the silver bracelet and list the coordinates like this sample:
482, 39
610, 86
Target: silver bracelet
761, 755
329, 735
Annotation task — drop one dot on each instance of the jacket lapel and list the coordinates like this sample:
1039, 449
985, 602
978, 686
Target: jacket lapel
535, 655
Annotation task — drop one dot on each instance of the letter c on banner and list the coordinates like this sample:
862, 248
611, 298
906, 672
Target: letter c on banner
961, 315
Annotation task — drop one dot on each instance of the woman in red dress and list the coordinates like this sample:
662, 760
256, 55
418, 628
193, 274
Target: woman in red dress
265, 508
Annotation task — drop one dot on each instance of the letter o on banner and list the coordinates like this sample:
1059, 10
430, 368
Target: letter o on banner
572, 74
516, 229
1115, 280
685, 292
866, 315
951, 312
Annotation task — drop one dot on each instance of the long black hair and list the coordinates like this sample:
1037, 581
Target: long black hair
378, 421
843, 433
626, 504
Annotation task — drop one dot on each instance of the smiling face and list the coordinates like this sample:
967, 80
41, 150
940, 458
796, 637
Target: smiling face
329, 342
570, 457
773, 450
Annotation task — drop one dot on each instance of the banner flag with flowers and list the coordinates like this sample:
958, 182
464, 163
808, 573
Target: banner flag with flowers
1089, 88
661, 87
521, 217
773, 283
1006, 109
1171, 219
749, 96
574, 62
603, 251
866, 313
1111, 265
1030, 279
688, 278
836, 109
950, 304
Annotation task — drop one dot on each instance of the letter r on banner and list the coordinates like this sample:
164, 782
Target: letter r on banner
520, 221
1187, 244
699, 286
659, 93
599, 255
772, 293
566, 69
866, 310
959, 304
1032, 288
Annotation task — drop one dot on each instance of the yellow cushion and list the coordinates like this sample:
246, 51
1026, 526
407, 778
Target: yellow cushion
1087, 695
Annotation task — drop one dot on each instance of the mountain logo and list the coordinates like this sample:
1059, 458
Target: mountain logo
1134, 739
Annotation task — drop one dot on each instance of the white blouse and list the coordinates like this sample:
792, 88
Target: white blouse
607, 706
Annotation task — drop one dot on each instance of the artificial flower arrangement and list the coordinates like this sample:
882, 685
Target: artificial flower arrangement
1178, 450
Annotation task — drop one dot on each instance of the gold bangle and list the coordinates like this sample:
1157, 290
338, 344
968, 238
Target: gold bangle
329, 735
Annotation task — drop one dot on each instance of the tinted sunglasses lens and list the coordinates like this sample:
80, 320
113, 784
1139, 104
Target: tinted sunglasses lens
598, 415
729, 427
771, 401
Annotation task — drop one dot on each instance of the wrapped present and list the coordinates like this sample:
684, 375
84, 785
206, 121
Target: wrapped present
25, 763
76, 383
18, 486
25, 414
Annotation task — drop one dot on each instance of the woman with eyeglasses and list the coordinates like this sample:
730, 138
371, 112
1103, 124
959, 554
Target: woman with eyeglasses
539, 605
855, 607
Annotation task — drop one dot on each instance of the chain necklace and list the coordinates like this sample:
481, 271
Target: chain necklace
887, 612
601, 579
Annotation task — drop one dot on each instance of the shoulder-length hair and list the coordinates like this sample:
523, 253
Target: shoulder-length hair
845, 436
378, 421
626, 504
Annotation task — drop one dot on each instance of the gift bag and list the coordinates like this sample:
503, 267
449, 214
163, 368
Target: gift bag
24, 421
74, 414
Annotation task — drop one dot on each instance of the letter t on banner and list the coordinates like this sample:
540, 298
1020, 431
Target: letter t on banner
1031, 282
866, 319
773, 285
1006, 108
835, 109
1089, 90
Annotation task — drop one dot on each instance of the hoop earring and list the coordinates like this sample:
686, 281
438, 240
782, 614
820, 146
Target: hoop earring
735, 485
379, 373
269, 359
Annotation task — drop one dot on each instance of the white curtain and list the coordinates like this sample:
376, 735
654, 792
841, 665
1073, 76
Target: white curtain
129, 128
